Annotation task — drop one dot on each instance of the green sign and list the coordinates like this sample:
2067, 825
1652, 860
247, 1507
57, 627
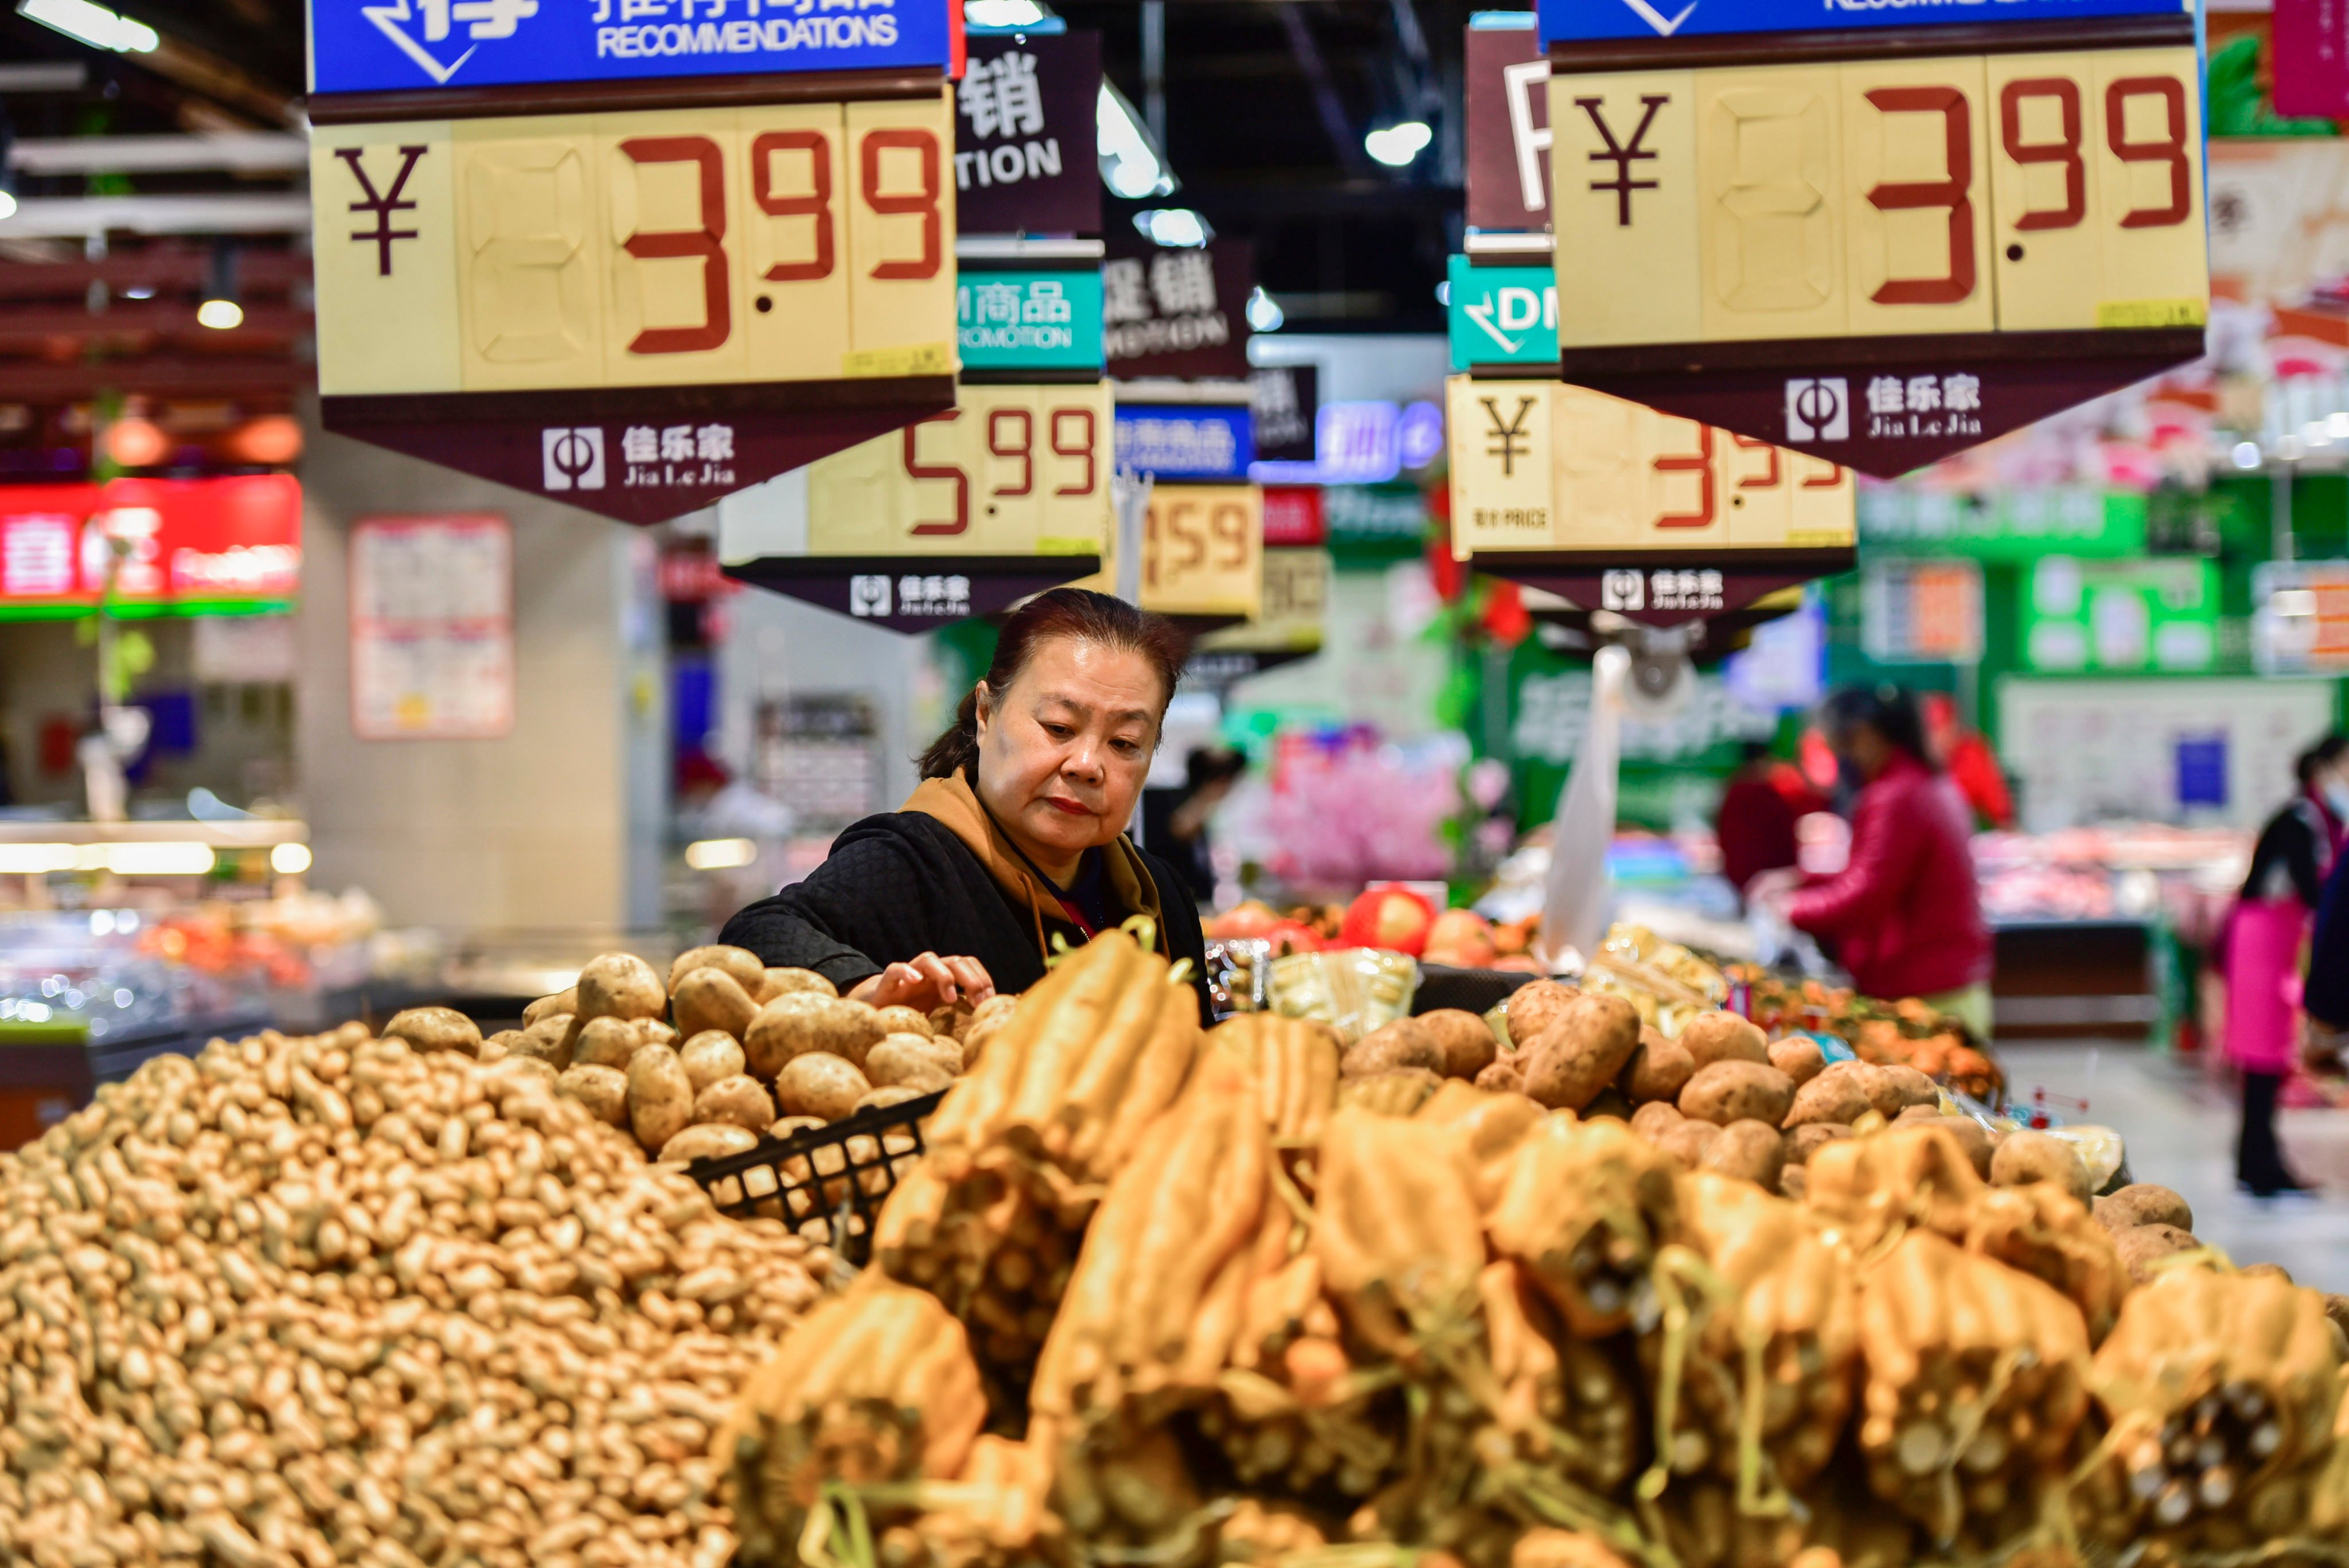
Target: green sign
2122, 617
2013, 526
1029, 320
1502, 316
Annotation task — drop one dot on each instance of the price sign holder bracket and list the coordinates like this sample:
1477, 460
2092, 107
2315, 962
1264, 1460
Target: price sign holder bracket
1748, 385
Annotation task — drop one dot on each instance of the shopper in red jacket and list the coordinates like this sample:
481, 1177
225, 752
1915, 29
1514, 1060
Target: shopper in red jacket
1904, 912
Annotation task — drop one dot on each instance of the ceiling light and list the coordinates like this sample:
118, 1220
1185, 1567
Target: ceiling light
35, 859
2246, 455
219, 315
1264, 312
1002, 13
1130, 163
290, 859
8, 203
93, 25
1179, 227
1397, 145
164, 860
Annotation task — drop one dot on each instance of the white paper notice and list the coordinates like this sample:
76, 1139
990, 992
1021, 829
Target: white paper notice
432, 651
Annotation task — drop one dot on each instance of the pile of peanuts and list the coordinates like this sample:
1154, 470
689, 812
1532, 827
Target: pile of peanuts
303, 1301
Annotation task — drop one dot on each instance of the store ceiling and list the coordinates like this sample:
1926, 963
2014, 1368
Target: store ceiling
1266, 106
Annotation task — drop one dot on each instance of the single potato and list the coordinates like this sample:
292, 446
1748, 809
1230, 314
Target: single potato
2027, 1156
620, 985
901, 1058
740, 963
436, 1029
742, 1100
789, 982
2143, 1203
1658, 1071
711, 998
902, 1020
1583, 1051
2142, 1246
796, 1023
1534, 1009
566, 1001
1798, 1057
1748, 1151
1689, 1143
603, 1090
708, 1141
1804, 1141
1734, 1091
1467, 1043
1721, 1036
660, 1097
1654, 1119
820, 1083
607, 1042
710, 1056
1405, 1042
550, 1040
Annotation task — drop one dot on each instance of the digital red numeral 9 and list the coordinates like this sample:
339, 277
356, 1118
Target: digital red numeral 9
707, 242
2169, 147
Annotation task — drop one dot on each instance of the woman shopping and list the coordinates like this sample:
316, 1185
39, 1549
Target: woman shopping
1016, 833
1904, 912
2265, 934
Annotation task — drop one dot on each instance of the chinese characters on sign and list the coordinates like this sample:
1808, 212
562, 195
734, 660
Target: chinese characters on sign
1284, 400
1178, 312
1025, 159
189, 546
943, 597
1628, 592
1029, 320
1191, 441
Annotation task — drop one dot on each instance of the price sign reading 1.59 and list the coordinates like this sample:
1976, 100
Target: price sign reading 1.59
1203, 550
671, 247
1009, 470
1880, 198
1542, 466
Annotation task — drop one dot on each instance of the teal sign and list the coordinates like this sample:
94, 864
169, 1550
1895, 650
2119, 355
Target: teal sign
1029, 320
1502, 316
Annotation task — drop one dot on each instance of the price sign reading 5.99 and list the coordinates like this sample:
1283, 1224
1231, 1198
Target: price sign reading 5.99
1880, 198
1009, 470
672, 247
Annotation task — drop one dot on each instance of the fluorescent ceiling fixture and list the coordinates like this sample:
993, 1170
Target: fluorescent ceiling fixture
290, 859
163, 859
1131, 165
1397, 145
1264, 312
2336, 425
2246, 455
219, 315
36, 859
1175, 226
1002, 13
93, 25
7, 204
720, 853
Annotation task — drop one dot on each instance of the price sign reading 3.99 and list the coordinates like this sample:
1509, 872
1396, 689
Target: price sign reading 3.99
784, 243
1880, 259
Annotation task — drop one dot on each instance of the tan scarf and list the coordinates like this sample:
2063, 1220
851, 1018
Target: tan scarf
952, 801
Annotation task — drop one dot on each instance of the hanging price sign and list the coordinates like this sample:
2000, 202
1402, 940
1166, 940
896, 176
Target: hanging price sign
636, 296
1884, 240
1567, 489
961, 513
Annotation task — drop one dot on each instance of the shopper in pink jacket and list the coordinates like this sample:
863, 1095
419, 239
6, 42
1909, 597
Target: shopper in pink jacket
2266, 932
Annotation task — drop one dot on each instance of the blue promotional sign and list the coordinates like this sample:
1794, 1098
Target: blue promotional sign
1029, 320
1187, 440
397, 45
1502, 316
1592, 21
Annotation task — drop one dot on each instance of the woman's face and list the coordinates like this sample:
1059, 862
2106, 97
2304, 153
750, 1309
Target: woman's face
1063, 750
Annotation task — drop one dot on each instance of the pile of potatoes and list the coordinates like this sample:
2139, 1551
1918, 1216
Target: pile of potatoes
726, 1051
1720, 1097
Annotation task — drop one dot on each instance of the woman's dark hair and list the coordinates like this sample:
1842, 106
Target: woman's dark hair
2325, 753
1890, 711
1078, 613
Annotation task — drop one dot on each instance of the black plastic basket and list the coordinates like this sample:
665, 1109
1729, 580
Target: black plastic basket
840, 1187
